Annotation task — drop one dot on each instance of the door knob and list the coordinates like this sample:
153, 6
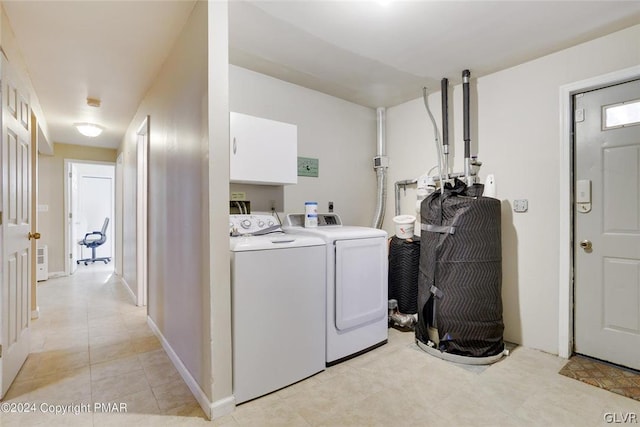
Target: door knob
586, 245
35, 236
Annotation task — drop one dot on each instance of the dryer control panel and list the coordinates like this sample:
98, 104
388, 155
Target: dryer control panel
324, 219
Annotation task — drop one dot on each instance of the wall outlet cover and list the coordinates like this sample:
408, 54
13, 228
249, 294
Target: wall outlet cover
520, 205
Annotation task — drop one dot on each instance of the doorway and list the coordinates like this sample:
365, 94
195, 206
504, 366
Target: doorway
89, 199
565, 207
607, 223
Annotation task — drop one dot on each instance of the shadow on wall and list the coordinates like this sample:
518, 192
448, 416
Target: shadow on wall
510, 293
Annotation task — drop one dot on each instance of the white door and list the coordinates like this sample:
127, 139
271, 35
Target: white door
16, 213
607, 224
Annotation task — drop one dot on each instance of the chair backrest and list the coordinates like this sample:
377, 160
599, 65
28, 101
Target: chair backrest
105, 225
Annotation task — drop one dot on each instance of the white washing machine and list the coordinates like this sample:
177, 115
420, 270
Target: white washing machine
357, 275
278, 306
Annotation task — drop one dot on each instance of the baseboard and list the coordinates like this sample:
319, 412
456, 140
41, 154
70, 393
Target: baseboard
56, 274
128, 288
213, 410
223, 407
35, 314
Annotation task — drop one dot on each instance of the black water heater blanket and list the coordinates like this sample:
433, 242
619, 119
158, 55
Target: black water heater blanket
460, 275
404, 259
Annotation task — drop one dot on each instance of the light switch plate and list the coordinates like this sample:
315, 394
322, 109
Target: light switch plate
520, 205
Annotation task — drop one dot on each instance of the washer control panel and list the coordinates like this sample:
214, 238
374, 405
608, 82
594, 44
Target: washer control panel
251, 224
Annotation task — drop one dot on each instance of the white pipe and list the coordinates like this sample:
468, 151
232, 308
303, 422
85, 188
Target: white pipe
404, 184
382, 137
381, 169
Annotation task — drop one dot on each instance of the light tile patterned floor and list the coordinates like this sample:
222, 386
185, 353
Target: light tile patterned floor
92, 345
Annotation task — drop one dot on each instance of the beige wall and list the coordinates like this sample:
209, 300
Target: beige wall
342, 135
178, 219
516, 133
51, 194
14, 55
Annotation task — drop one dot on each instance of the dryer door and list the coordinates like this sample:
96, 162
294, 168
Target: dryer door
361, 281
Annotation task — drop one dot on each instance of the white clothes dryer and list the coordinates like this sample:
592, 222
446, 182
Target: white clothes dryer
357, 275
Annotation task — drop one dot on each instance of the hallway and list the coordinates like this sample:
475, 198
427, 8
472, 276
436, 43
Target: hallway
91, 344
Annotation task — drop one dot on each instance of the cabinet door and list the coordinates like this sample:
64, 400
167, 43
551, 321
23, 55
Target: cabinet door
262, 151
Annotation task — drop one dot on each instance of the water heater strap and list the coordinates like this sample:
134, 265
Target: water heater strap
436, 292
444, 229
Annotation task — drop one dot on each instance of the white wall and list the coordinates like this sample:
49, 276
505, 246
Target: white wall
178, 220
515, 132
342, 135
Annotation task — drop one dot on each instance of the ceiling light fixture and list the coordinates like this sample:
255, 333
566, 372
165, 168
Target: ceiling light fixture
93, 102
89, 129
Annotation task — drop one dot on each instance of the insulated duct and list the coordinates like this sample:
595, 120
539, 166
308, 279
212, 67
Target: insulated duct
444, 90
466, 75
380, 164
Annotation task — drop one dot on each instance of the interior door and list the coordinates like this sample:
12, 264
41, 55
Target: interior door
16, 214
607, 224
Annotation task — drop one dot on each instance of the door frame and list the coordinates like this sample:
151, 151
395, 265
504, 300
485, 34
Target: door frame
67, 183
142, 203
566, 266
119, 216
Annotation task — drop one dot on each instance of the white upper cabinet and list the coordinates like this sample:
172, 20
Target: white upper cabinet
262, 151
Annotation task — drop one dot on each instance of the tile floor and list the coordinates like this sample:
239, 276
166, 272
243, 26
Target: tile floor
91, 344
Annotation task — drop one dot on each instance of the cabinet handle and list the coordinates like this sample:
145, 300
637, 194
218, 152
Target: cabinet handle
235, 146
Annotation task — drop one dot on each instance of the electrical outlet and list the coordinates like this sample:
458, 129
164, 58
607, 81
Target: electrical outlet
520, 205
330, 207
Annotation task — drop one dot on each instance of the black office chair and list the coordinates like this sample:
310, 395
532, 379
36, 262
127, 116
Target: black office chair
100, 237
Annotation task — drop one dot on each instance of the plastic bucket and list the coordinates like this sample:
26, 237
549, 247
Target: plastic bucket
404, 225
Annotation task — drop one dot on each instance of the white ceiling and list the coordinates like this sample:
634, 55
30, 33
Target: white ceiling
361, 51
110, 50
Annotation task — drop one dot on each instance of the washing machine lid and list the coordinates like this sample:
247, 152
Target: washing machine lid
272, 242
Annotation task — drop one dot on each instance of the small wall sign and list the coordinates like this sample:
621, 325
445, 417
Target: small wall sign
308, 167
